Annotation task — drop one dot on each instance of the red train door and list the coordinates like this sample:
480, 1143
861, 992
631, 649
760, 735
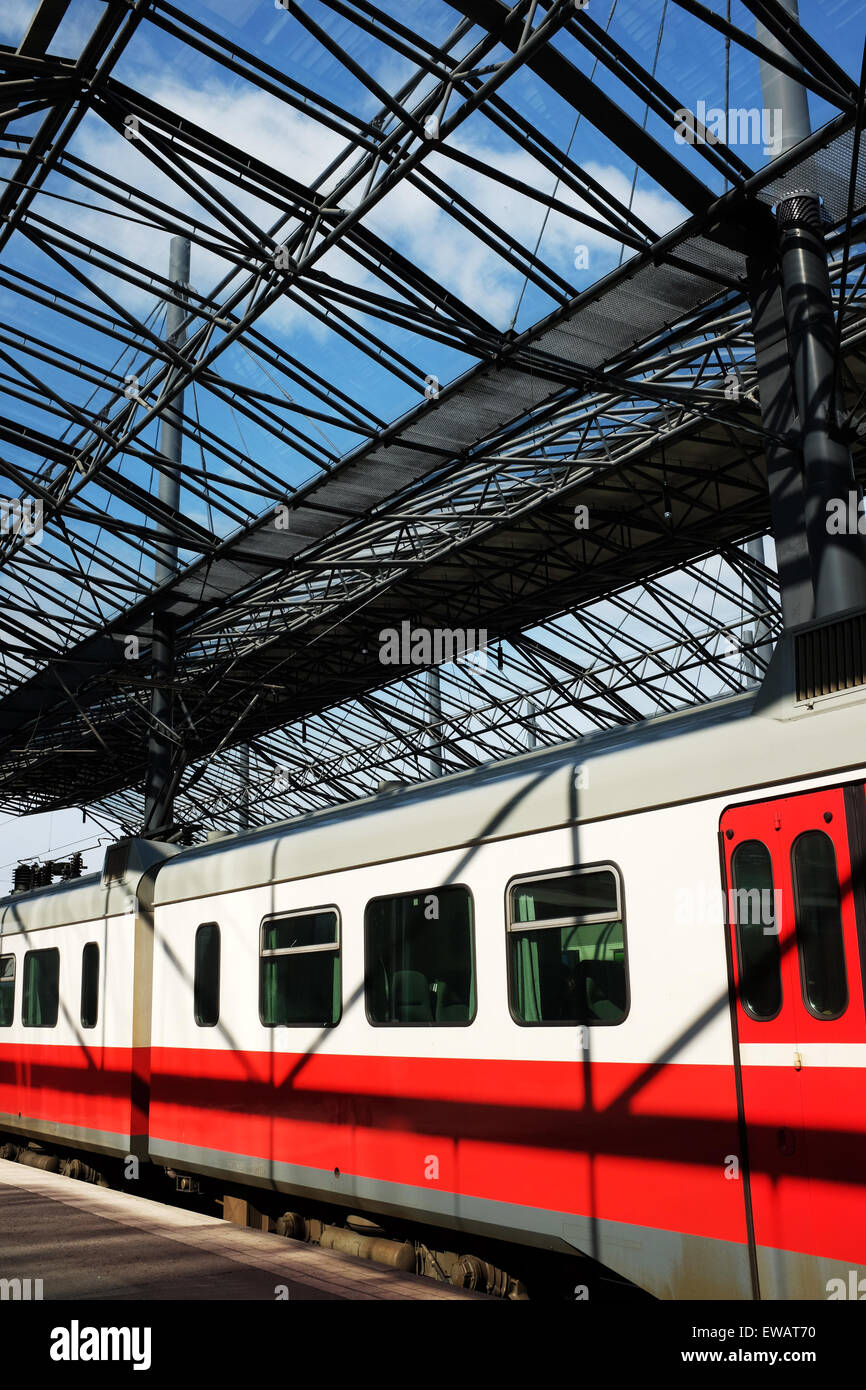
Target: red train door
801, 1032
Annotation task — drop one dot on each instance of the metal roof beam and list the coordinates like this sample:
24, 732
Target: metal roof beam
47, 18
600, 110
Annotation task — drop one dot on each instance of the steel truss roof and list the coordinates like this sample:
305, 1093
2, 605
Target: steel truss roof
634, 398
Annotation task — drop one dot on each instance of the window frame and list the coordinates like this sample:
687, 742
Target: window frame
95, 945
300, 951
732, 889
423, 893
820, 1018
195, 1017
573, 920
37, 951
11, 955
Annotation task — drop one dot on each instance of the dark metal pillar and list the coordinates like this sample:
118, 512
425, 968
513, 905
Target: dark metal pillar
783, 458
782, 92
531, 710
838, 560
785, 94
434, 697
159, 789
244, 770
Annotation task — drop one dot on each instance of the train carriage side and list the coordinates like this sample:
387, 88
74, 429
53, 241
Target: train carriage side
75, 963
612, 1006
525, 1036
511, 1003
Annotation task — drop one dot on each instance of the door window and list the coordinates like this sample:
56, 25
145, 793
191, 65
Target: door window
818, 908
753, 912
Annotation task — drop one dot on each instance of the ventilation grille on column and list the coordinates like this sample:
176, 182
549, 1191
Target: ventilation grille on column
831, 658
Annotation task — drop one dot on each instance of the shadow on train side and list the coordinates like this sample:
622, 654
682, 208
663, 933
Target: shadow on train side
598, 1123
88, 1047
589, 1112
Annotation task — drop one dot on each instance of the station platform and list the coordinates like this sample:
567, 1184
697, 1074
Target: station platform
95, 1243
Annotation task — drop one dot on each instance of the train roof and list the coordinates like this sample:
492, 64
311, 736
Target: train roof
723, 748
86, 899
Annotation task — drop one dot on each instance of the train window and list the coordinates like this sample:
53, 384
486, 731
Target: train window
206, 978
89, 985
818, 908
7, 990
753, 907
420, 958
41, 995
299, 970
566, 948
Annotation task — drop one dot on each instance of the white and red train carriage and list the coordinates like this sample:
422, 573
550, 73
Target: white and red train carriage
75, 964
508, 1003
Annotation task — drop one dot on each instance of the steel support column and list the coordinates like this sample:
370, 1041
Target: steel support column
783, 459
162, 752
838, 558
244, 806
781, 92
531, 710
434, 697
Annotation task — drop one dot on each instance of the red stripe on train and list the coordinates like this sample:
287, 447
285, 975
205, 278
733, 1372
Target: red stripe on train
638, 1144
642, 1144
90, 1088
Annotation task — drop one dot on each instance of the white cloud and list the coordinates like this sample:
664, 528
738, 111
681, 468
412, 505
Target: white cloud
15, 16
252, 121
464, 264
72, 33
296, 145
